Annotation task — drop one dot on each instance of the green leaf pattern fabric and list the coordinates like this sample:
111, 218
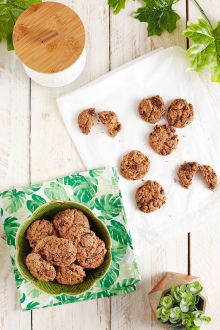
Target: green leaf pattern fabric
98, 189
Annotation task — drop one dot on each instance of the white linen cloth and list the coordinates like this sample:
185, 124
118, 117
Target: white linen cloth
121, 90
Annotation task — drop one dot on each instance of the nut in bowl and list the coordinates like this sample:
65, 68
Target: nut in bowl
52, 287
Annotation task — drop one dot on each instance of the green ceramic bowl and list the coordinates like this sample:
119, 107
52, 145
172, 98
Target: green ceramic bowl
47, 211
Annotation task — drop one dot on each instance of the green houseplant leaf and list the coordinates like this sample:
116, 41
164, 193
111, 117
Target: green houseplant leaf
167, 301
194, 287
11, 227
10, 10
159, 15
163, 314
206, 48
178, 308
13, 200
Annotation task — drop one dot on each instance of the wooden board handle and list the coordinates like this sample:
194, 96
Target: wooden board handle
49, 37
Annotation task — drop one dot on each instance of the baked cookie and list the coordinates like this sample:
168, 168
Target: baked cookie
70, 275
152, 109
150, 197
40, 268
180, 113
186, 173
75, 233
85, 120
163, 140
64, 220
38, 230
210, 176
135, 165
57, 251
91, 251
110, 119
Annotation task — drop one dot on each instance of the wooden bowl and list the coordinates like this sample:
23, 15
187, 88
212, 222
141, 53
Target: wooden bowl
53, 288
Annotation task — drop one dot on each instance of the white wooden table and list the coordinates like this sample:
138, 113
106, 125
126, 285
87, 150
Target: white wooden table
35, 146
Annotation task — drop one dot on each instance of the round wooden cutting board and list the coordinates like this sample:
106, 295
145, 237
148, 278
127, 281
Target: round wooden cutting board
49, 37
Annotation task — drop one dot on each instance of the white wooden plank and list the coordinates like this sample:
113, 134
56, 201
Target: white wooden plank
14, 172
205, 248
54, 155
128, 40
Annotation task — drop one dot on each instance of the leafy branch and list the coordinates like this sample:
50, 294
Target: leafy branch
205, 50
160, 16
202, 11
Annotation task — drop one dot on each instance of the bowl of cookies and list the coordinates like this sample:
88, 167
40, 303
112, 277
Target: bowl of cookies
63, 248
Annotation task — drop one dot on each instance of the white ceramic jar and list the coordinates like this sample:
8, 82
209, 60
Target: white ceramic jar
49, 39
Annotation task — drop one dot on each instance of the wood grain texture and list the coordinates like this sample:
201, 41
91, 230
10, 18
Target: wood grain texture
205, 248
14, 172
36, 24
49, 153
128, 40
54, 155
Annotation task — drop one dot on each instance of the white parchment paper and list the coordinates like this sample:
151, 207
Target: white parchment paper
162, 73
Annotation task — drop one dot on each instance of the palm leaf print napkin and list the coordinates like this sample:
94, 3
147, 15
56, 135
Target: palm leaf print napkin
97, 189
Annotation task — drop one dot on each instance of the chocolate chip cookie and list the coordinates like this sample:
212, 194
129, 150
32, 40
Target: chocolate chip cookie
150, 197
64, 220
180, 113
110, 119
91, 251
40, 268
186, 173
38, 230
135, 165
75, 233
163, 140
70, 275
57, 251
152, 109
210, 176
85, 120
